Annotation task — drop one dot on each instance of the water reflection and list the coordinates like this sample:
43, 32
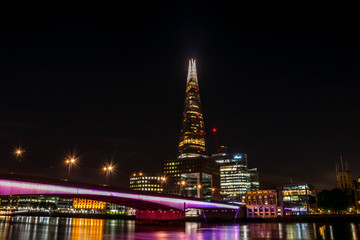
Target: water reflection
98, 229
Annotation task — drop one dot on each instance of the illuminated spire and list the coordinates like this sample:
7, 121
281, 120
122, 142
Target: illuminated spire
192, 70
192, 135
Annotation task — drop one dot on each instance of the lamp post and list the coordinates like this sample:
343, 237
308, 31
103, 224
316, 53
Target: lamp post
19, 152
108, 170
70, 162
181, 186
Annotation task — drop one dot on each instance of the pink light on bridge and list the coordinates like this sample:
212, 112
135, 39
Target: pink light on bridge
11, 187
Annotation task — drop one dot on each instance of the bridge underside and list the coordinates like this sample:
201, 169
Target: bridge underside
157, 205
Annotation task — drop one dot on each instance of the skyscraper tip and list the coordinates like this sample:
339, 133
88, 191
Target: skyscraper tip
192, 70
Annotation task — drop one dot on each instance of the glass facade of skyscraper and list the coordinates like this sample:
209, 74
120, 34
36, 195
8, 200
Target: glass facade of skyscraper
235, 177
192, 135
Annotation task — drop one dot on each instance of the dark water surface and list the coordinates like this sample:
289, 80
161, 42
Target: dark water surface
80, 228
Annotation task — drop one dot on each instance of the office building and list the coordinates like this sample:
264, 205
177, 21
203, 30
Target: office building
297, 199
83, 205
263, 204
193, 173
235, 176
197, 177
192, 134
146, 182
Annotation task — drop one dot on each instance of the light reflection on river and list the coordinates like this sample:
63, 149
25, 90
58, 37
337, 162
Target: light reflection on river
25, 228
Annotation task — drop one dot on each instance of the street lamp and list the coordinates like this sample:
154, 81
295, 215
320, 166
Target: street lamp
19, 152
70, 161
108, 169
181, 186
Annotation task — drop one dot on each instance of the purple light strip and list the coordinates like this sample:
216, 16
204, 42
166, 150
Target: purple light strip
10, 187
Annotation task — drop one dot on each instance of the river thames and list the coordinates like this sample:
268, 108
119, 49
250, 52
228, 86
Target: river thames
25, 227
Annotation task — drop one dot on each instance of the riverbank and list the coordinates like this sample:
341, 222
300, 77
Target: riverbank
305, 218
288, 219
74, 215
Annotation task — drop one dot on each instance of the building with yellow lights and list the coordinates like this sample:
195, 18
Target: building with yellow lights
89, 204
263, 204
146, 182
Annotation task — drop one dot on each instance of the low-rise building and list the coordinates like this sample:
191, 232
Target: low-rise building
65, 205
263, 204
297, 199
84, 205
8, 203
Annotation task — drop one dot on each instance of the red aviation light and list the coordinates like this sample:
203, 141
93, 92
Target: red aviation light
196, 90
214, 130
198, 151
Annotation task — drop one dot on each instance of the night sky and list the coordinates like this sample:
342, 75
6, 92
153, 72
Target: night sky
108, 83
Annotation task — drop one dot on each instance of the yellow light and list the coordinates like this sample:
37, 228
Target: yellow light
110, 168
199, 186
134, 174
105, 168
140, 174
183, 183
19, 152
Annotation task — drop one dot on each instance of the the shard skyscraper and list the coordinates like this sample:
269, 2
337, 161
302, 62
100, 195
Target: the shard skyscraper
192, 134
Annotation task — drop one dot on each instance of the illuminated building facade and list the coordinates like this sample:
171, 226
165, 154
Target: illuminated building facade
8, 203
356, 186
235, 176
343, 177
65, 205
192, 135
88, 204
146, 182
193, 173
263, 204
197, 177
297, 199
37, 202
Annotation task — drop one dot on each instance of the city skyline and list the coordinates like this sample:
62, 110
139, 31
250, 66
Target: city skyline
282, 93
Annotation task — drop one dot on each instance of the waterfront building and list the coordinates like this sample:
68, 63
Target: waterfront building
343, 177
146, 182
37, 202
263, 204
235, 176
84, 205
9, 203
297, 199
193, 173
65, 205
356, 186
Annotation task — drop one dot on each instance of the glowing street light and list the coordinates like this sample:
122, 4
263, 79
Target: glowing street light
70, 161
108, 169
19, 152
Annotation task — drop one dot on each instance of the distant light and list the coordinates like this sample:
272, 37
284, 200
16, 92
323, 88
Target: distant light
237, 157
214, 130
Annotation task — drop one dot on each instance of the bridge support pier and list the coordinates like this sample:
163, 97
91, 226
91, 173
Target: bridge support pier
220, 215
160, 215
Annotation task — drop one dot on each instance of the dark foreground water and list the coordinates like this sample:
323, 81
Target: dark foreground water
79, 228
